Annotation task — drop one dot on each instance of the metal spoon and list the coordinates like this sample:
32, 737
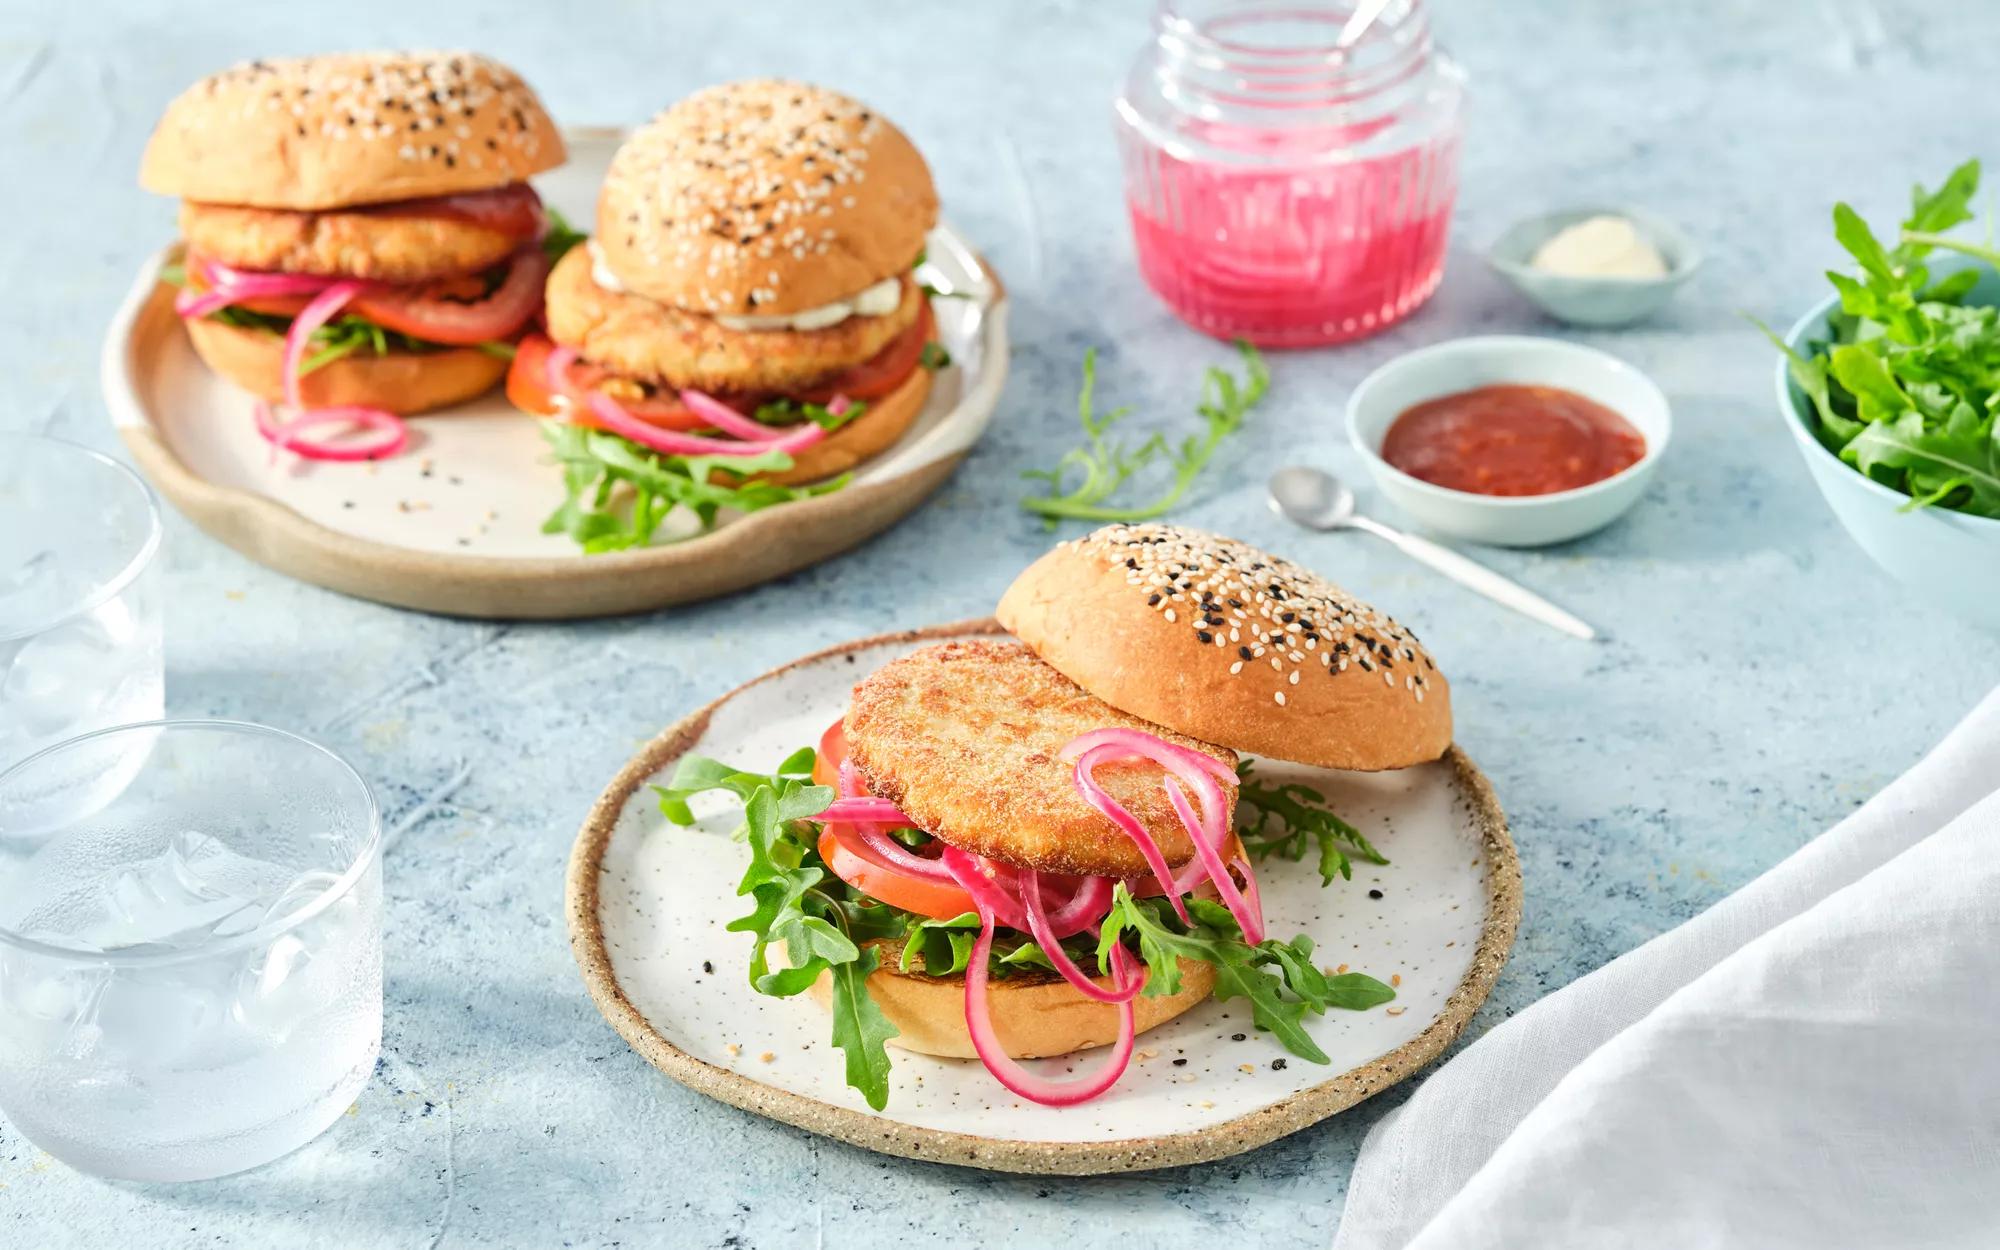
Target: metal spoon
1319, 501
1358, 22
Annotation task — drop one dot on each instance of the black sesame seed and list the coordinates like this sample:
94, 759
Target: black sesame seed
1237, 1037
1277, 1065
1205, 636
1243, 652
1180, 1063
1374, 894
709, 968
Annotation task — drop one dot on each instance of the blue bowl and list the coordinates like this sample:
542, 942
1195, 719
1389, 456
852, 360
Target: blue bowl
1949, 558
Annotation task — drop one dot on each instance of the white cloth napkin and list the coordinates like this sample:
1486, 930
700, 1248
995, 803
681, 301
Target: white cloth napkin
1813, 1062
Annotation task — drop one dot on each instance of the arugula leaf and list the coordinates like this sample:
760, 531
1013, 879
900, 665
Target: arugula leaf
1906, 385
618, 494
821, 927
1278, 978
1102, 465
1285, 819
860, 1028
934, 356
784, 412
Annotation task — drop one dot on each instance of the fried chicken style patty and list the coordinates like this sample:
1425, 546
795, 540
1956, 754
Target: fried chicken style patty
379, 246
964, 736
637, 337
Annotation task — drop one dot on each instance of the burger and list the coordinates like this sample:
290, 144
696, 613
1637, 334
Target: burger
748, 294
1018, 848
359, 230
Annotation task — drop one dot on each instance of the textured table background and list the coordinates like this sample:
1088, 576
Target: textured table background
1761, 677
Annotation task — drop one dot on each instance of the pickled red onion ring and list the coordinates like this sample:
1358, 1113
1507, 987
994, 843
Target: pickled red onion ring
869, 829
314, 315
1097, 797
191, 303
725, 418
555, 369
979, 1014
287, 436
756, 439
1123, 990
839, 405
625, 425
1207, 847
1083, 909
982, 879
873, 811
1153, 747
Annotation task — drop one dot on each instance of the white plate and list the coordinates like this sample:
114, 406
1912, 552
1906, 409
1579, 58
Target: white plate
454, 524
648, 901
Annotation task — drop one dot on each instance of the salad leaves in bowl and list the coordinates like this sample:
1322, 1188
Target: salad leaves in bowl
1891, 388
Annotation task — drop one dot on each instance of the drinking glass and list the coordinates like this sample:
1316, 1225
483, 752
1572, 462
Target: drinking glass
79, 609
190, 970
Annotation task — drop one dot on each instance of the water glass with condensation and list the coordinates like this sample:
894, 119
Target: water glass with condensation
190, 969
79, 607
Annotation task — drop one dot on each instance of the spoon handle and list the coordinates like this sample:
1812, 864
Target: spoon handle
1478, 577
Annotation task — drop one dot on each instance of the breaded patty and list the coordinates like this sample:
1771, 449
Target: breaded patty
964, 737
639, 338
382, 247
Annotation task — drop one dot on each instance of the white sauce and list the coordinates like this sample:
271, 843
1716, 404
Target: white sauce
877, 301
1601, 247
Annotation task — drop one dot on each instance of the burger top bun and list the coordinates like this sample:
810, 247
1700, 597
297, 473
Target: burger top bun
350, 128
763, 198
1217, 640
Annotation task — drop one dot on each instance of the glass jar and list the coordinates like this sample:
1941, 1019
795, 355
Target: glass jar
1282, 189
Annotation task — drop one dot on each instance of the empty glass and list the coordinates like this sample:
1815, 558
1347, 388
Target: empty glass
79, 608
190, 972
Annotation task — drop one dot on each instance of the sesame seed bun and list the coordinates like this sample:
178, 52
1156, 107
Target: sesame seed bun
402, 382
965, 739
350, 128
1035, 1012
763, 198
1226, 643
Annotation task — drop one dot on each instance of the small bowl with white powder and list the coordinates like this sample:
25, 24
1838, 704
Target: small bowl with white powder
1597, 266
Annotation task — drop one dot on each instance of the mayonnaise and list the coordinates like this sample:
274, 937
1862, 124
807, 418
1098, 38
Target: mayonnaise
877, 301
1601, 247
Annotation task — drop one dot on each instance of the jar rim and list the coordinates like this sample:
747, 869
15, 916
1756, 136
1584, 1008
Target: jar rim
1399, 31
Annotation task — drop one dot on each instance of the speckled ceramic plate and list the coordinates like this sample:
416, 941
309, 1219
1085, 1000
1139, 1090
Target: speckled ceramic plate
454, 524
648, 900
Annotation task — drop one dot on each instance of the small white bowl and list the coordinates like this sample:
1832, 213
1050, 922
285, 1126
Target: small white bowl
1942, 555
1599, 302
1463, 364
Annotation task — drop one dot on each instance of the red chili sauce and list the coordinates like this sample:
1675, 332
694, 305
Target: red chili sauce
1512, 440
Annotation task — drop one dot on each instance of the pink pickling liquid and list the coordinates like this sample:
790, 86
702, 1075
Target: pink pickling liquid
1294, 246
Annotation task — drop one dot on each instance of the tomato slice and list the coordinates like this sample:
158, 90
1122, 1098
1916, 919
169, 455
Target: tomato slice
851, 860
430, 311
885, 370
528, 389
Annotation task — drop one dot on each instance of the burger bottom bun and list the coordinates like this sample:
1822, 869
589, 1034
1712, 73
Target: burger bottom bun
1035, 1015
402, 382
862, 439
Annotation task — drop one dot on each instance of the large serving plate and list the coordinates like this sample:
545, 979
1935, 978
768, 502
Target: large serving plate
648, 900
454, 524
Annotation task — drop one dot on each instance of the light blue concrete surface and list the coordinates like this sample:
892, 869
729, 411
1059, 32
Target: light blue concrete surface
1761, 678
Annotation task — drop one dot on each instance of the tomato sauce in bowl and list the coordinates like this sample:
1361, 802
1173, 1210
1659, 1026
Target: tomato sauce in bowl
1512, 440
